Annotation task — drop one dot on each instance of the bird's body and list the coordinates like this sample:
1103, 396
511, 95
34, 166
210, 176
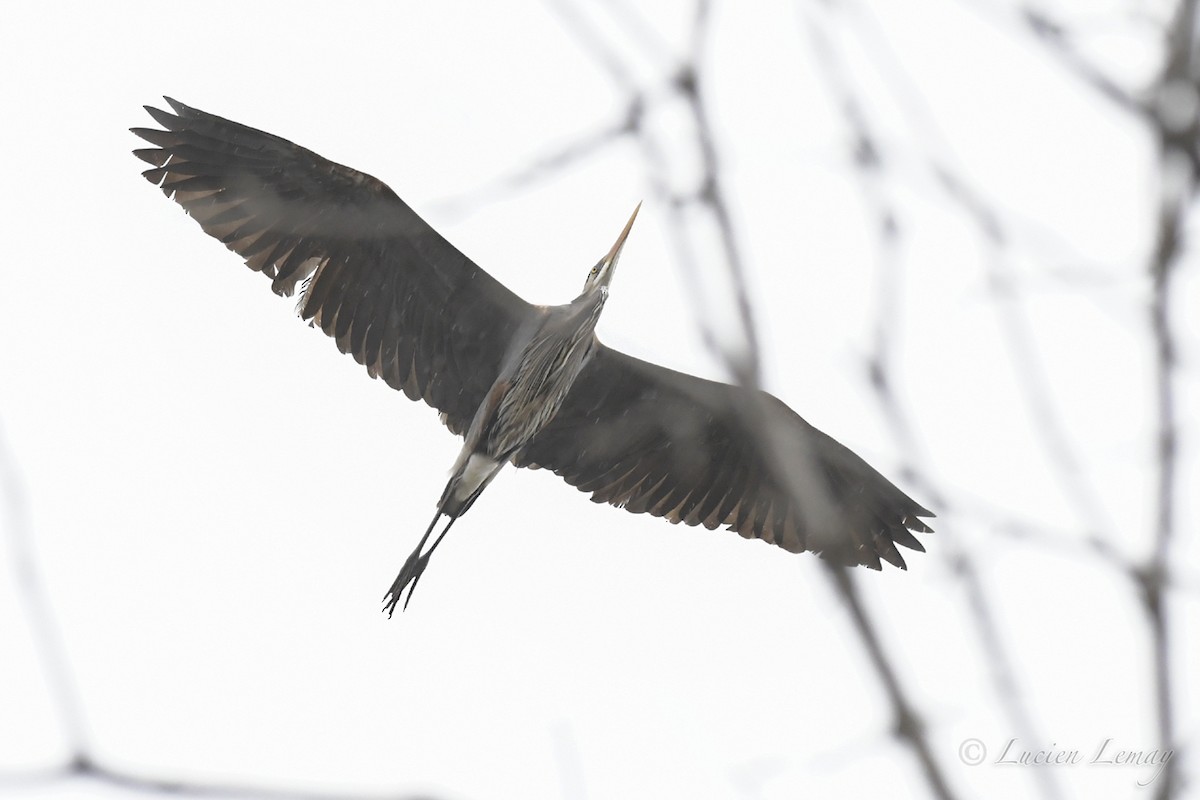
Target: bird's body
543, 361
526, 384
537, 374
542, 371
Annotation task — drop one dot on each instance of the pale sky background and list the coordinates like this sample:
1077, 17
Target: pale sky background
218, 499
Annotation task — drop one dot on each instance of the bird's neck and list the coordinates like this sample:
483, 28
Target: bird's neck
590, 303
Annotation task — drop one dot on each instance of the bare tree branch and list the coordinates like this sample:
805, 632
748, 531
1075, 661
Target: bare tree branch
907, 725
1179, 131
47, 636
83, 767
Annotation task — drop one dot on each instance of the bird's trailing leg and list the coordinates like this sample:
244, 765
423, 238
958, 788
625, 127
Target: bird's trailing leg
471, 475
414, 565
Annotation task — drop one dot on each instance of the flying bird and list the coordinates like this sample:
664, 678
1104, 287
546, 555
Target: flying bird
521, 383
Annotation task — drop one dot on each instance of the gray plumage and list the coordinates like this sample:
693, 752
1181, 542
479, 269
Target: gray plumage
525, 384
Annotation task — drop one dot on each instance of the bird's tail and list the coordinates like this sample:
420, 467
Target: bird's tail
472, 473
470, 477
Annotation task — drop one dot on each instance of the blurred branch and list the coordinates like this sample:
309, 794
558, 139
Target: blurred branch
1034, 383
545, 167
699, 218
47, 636
1058, 40
1178, 130
1041, 26
585, 33
84, 768
81, 762
908, 726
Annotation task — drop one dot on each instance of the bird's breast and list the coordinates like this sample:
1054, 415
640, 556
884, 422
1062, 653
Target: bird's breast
538, 384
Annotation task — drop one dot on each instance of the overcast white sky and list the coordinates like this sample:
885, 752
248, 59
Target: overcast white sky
218, 499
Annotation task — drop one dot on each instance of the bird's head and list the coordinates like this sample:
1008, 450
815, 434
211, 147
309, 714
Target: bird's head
602, 273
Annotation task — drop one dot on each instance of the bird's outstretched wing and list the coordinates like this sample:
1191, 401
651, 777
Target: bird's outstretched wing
374, 276
650, 439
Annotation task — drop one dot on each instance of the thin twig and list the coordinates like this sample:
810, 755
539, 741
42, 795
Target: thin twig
83, 767
908, 726
47, 636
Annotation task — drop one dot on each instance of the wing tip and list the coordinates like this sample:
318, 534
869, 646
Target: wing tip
892, 556
179, 108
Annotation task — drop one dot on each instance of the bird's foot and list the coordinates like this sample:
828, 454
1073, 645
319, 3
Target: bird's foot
410, 573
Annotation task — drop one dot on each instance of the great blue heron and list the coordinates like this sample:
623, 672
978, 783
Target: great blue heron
522, 383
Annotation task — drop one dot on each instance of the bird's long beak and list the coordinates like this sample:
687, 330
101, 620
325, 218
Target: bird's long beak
615, 252
600, 275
